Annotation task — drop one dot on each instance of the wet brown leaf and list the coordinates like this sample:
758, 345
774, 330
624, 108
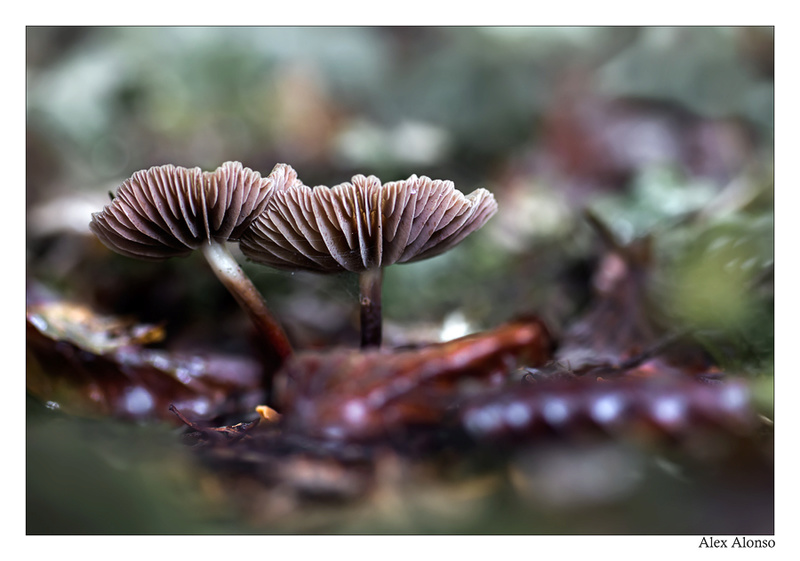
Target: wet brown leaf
99, 334
233, 433
349, 394
92, 365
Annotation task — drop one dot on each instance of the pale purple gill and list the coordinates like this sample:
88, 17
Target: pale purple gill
363, 226
169, 211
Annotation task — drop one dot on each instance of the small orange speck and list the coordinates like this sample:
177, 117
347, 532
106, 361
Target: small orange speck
268, 413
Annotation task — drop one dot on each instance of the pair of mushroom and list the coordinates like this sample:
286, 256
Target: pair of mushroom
361, 226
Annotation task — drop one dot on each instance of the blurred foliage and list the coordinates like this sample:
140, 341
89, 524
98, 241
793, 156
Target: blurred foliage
663, 132
699, 68
126, 479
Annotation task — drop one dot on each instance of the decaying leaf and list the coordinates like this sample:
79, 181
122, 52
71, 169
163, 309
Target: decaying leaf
232, 433
625, 329
353, 395
87, 364
100, 334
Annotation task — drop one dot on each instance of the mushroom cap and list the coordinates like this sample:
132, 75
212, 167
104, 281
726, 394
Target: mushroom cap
364, 225
169, 211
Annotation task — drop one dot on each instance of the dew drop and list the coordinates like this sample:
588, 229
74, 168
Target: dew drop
38, 322
669, 410
733, 397
355, 411
555, 411
484, 419
517, 415
606, 409
138, 401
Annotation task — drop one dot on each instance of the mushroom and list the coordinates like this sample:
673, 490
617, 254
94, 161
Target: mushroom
362, 227
169, 211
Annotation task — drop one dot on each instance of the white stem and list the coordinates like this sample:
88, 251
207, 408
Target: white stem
231, 275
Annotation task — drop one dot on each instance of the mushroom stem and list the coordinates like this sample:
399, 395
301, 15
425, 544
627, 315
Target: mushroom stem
228, 271
369, 283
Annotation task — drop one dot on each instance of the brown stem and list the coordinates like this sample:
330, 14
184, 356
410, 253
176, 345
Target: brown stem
228, 271
369, 283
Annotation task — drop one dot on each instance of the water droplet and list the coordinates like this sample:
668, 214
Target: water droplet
733, 397
555, 411
138, 401
38, 322
606, 409
355, 411
517, 415
183, 374
669, 410
484, 419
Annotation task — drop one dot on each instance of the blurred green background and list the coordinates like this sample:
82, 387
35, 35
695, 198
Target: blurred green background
661, 131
